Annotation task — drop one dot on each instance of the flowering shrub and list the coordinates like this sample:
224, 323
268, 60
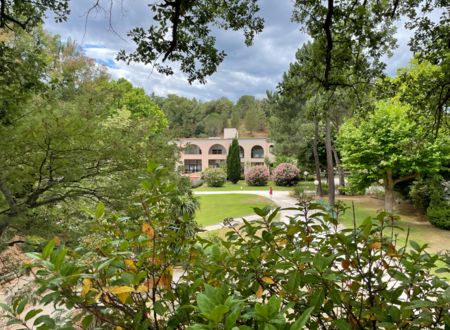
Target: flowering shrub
214, 177
285, 174
257, 176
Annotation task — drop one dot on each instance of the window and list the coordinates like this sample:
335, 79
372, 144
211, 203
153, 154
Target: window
241, 152
192, 149
257, 164
217, 149
257, 152
192, 165
215, 162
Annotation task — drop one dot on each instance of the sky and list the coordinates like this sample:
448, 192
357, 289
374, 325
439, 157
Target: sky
245, 71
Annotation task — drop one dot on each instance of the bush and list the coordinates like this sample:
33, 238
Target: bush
214, 177
257, 176
197, 183
286, 174
426, 190
439, 214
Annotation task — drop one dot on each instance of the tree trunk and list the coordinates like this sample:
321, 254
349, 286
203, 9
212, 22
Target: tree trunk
316, 157
389, 192
330, 172
340, 170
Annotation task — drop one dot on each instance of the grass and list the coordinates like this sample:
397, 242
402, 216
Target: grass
242, 185
421, 231
215, 208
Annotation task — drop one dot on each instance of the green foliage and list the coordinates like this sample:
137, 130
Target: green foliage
84, 139
439, 214
313, 276
214, 177
425, 190
254, 119
191, 42
389, 145
234, 162
123, 261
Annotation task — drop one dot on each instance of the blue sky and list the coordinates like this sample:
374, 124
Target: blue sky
245, 71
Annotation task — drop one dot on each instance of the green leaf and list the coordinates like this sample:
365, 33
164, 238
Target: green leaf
48, 249
415, 245
99, 210
87, 321
32, 314
342, 324
21, 305
261, 212
301, 321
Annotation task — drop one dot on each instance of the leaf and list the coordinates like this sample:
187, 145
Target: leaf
259, 291
121, 289
99, 210
48, 249
345, 264
375, 245
32, 314
267, 279
130, 264
21, 305
148, 230
261, 212
86, 286
342, 324
301, 321
87, 321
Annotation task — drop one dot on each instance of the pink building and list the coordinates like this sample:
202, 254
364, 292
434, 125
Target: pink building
200, 153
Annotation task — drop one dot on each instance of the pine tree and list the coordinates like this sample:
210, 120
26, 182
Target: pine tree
234, 162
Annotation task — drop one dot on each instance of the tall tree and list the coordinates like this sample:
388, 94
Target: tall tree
390, 146
75, 143
234, 162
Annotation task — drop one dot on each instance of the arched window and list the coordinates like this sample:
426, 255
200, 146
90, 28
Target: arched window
217, 149
257, 152
192, 149
241, 152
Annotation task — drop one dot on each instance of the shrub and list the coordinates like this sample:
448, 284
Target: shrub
312, 277
214, 177
257, 176
439, 214
286, 174
426, 190
234, 162
197, 183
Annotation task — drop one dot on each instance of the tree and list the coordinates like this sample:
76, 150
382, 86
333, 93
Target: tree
77, 141
254, 119
234, 162
390, 146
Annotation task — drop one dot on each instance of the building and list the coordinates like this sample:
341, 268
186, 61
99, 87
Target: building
200, 153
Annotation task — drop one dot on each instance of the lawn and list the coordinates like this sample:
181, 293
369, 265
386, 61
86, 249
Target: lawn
421, 230
215, 208
242, 185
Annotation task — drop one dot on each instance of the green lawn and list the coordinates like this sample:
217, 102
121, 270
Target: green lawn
421, 231
242, 185
215, 208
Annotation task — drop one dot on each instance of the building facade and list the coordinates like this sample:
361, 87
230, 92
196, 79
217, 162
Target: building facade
198, 154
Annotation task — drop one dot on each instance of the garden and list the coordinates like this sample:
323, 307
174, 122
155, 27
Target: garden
346, 227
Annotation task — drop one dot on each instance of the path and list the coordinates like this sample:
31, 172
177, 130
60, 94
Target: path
281, 198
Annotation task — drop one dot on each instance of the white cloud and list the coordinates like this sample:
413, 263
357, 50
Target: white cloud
246, 70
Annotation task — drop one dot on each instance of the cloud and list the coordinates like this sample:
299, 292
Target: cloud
246, 70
